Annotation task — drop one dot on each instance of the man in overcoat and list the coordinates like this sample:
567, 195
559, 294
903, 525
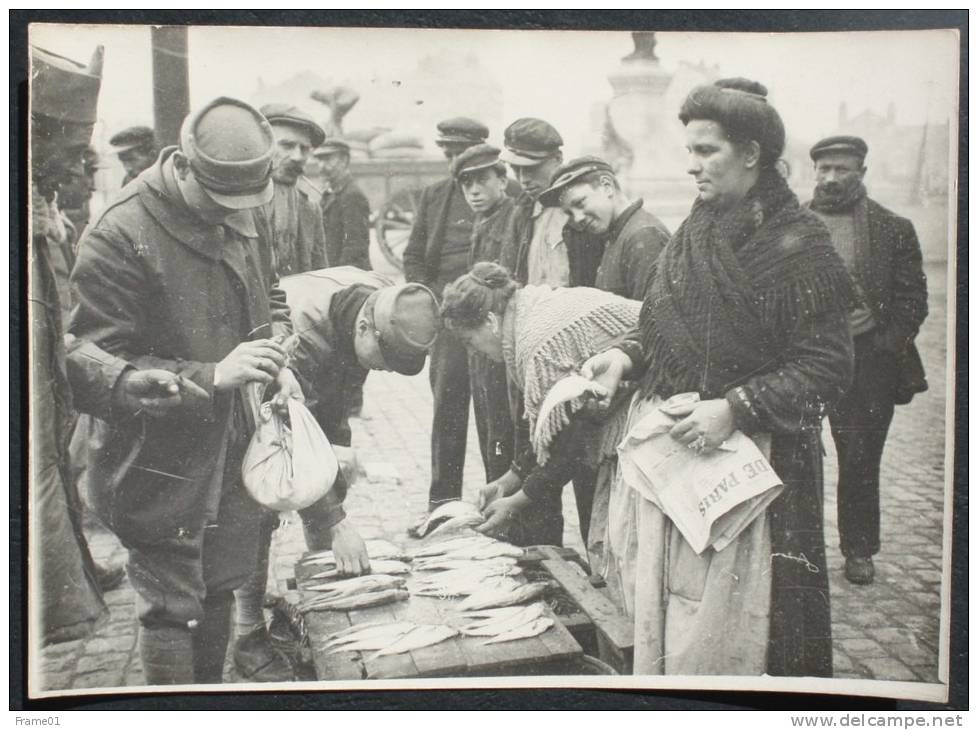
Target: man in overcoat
173, 275
346, 211
882, 253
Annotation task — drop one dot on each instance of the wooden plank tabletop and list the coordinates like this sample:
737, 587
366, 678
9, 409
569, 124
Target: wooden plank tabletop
462, 655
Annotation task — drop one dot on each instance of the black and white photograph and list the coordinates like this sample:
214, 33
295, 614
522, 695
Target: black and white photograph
378, 357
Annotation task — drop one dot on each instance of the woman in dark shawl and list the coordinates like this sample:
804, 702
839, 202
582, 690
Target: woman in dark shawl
747, 307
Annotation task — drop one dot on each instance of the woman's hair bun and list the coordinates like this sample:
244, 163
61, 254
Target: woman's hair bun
491, 274
741, 84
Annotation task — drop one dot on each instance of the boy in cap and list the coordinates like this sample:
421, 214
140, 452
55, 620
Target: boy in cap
612, 242
173, 275
882, 253
348, 322
136, 149
292, 219
437, 253
482, 177
535, 252
346, 212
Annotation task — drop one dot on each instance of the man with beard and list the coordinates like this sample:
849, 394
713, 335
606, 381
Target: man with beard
292, 220
346, 212
612, 241
136, 149
535, 252
882, 253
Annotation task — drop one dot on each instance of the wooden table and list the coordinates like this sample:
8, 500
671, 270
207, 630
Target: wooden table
554, 651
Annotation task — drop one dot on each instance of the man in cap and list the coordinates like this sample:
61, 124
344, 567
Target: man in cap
612, 241
348, 322
482, 178
346, 212
535, 252
883, 255
66, 374
438, 253
173, 275
136, 148
292, 220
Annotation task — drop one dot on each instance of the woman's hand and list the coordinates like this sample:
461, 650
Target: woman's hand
709, 424
607, 369
506, 485
499, 513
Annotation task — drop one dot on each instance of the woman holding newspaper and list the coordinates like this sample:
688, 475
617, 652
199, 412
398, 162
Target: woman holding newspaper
747, 312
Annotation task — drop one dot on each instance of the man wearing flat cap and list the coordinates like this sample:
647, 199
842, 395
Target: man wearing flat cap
347, 322
535, 252
882, 253
292, 219
612, 242
437, 253
174, 275
136, 149
346, 212
482, 178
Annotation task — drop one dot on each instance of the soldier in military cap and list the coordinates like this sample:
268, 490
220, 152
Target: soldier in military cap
612, 241
882, 253
535, 252
136, 148
292, 218
348, 322
346, 212
173, 275
482, 177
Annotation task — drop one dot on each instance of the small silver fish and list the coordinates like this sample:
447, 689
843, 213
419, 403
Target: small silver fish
361, 631
382, 567
449, 511
439, 563
462, 524
376, 550
455, 543
534, 628
495, 627
492, 596
372, 640
359, 584
421, 636
349, 603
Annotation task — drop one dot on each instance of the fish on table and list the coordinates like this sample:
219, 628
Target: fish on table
534, 628
355, 601
376, 550
455, 512
464, 584
421, 636
493, 596
509, 620
382, 567
353, 586
439, 563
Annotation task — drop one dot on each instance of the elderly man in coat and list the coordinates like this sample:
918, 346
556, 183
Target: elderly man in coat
173, 275
882, 253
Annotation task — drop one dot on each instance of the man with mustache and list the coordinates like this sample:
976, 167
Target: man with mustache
883, 255
612, 241
293, 221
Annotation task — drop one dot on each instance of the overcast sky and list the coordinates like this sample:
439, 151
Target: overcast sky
556, 75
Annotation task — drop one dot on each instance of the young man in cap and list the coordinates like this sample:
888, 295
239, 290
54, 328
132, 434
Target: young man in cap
535, 252
438, 253
292, 219
348, 322
612, 242
66, 374
482, 178
136, 148
883, 255
173, 275
346, 212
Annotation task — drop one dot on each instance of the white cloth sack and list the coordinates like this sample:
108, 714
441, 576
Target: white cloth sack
287, 466
710, 497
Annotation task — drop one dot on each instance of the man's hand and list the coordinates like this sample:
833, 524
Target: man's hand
155, 392
607, 369
501, 512
349, 550
253, 361
506, 485
710, 423
288, 388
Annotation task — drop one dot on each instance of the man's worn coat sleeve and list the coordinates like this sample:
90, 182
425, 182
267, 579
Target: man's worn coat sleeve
415, 265
909, 282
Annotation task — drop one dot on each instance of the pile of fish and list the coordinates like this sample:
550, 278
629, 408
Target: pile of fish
376, 550
494, 595
330, 591
468, 547
383, 567
386, 639
507, 624
449, 518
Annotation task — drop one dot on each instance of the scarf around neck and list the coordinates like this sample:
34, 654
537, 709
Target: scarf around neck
731, 286
840, 200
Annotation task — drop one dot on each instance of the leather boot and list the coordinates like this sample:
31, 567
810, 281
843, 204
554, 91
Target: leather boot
211, 639
167, 654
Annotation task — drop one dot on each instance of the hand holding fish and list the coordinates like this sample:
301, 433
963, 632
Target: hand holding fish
349, 549
607, 369
507, 484
502, 511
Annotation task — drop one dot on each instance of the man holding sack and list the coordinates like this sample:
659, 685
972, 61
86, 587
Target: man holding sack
347, 322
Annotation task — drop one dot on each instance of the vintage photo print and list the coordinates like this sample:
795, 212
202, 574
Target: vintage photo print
426, 358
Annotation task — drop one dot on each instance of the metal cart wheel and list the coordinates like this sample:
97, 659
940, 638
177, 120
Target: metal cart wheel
393, 225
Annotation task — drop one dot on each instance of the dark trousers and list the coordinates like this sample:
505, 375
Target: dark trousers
859, 426
493, 420
449, 376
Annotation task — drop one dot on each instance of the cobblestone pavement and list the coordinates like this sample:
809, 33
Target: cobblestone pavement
887, 630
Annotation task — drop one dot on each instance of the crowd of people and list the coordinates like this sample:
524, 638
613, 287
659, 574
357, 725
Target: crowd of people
150, 319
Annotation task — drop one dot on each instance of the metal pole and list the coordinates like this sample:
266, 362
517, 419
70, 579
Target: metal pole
171, 82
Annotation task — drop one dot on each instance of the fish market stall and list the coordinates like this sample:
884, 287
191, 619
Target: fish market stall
432, 614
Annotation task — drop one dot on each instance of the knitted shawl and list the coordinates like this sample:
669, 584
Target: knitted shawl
548, 334
732, 286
